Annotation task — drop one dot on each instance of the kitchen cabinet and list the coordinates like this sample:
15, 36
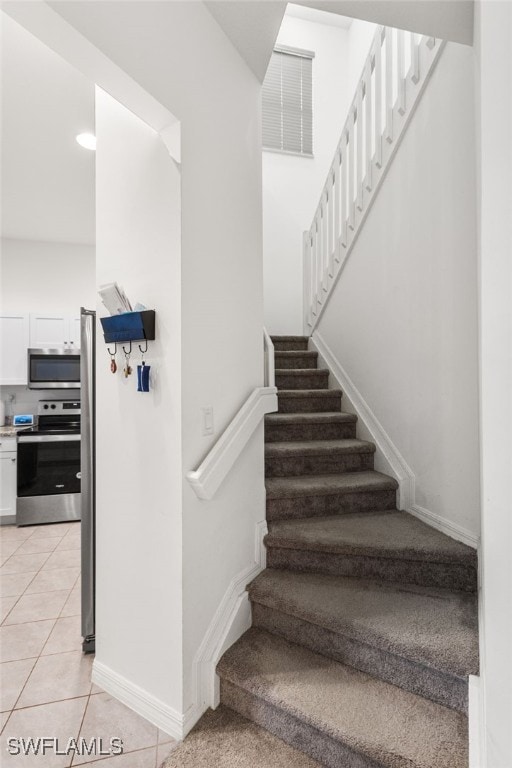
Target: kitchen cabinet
56, 330
8, 475
14, 340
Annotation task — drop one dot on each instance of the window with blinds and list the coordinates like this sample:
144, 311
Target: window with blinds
288, 102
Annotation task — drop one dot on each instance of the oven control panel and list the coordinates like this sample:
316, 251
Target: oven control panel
61, 407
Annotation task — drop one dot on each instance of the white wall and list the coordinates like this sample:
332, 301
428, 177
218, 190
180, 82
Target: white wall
43, 277
402, 320
138, 446
178, 53
493, 32
292, 184
46, 277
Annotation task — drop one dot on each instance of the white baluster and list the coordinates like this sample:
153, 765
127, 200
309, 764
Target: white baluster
318, 243
368, 121
360, 172
337, 206
314, 270
400, 74
330, 222
389, 85
344, 168
306, 278
414, 71
351, 159
377, 117
325, 245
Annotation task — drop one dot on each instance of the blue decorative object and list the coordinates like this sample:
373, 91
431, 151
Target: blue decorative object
143, 377
23, 420
130, 326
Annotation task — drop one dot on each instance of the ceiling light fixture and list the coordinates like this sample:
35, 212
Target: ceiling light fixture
87, 140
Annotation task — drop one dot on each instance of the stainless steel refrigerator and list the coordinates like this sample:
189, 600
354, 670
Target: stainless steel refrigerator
88, 486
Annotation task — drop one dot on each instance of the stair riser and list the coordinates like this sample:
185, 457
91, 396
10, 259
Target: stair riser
290, 346
312, 380
336, 504
448, 690
308, 404
318, 745
323, 464
444, 575
289, 432
292, 362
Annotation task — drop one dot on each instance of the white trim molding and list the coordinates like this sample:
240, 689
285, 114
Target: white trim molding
395, 462
232, 618
475, 722
140, 701
212, 471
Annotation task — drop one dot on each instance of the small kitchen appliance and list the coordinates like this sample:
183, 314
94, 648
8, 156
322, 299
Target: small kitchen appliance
57, 368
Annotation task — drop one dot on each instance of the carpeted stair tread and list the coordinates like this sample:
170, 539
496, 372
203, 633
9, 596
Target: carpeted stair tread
385, 534
310, 418
300, 339
302, 371
429, 626
225, 739
290, 359
324, 485
300, 393
378, 723
289, 343
317, 447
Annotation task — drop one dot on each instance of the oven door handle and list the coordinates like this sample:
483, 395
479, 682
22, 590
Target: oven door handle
48, 439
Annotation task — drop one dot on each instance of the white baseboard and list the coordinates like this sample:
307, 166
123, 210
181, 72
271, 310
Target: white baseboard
475, 723
393, 459
231, 620
136, 698
454, 530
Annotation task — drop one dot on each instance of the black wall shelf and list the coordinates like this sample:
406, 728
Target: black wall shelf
130, 326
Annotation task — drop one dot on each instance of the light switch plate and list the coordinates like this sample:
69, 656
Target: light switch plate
207, 420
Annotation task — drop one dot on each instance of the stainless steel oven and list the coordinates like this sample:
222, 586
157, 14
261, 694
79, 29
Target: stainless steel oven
53, 368
49, 476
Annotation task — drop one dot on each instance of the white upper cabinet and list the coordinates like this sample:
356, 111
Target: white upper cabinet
74, 332
14, 340
54, 331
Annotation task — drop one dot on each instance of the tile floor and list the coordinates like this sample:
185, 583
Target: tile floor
46, 688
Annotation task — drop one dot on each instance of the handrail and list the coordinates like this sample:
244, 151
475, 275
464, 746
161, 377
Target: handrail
214, 468
395, 73
269, 363
207, 478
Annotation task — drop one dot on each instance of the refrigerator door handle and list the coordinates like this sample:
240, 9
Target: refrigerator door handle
88, 456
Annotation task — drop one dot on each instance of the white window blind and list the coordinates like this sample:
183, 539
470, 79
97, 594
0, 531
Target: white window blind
288, 102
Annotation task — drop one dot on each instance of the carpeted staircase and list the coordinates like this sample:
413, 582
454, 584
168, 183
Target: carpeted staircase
365, 620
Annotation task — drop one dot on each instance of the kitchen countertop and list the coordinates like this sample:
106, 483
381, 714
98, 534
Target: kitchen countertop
10, 431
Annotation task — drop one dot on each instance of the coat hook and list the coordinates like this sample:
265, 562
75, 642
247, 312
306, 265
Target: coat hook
130, 350
114, 353
143, 351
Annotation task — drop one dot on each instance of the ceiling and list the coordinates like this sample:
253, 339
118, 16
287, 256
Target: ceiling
252, 25
47, 178
318, 17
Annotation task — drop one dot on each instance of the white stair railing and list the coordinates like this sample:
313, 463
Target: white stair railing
394, 76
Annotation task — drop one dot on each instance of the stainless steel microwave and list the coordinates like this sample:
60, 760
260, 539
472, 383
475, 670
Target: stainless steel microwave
53, 369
